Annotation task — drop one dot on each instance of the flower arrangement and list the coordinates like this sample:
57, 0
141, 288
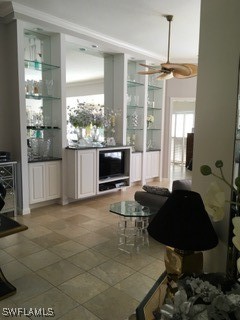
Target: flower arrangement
215, 201
81, 116
209, 296
215, 198
85, 115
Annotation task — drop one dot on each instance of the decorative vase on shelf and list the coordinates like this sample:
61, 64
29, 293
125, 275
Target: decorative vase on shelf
94, 134
80, 136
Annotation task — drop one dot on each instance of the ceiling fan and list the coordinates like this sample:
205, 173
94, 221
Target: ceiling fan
169, 70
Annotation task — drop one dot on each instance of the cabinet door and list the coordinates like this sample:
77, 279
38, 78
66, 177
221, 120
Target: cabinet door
36, 182
136, 167
152, 170
86, 173
53, 183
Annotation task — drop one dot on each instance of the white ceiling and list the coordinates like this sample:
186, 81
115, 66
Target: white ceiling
138, 24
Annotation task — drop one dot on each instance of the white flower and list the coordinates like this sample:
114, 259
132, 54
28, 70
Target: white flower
214, 202
150, 118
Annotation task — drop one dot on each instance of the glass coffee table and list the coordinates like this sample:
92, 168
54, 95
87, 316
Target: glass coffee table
132, 225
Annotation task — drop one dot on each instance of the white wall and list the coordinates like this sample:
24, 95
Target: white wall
216, 104
85, 88
175, 88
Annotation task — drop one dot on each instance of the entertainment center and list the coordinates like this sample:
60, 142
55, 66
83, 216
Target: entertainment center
92, 171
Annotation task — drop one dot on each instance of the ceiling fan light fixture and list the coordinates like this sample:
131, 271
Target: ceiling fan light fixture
176, 70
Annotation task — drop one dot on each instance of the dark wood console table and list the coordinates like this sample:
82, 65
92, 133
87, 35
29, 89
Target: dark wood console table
8, 226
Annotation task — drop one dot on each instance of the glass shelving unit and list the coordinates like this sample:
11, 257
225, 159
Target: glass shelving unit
154, 114
135, 109
43, 122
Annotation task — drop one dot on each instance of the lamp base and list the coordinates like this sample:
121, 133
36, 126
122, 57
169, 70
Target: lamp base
183, 262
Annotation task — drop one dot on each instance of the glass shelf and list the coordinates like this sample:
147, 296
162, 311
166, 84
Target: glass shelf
131, 84
152, 129
134, 129
133, 106
40, 66
153, 87
42, 128
155, 108
40, 97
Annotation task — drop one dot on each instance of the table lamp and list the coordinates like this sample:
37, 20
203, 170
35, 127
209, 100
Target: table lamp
183, 225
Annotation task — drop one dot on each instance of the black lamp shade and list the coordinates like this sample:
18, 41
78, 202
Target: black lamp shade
183, 223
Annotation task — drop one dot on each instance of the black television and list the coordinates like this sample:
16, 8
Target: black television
111, 164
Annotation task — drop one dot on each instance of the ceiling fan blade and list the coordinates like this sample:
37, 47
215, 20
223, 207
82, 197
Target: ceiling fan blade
165, 76
193, 68
148, 66
150, 71
178, 68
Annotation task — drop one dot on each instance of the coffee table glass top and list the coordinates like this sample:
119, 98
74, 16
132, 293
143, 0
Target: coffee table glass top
130, 209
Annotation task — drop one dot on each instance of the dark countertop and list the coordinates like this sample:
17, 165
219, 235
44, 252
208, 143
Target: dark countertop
96, 147
44, 159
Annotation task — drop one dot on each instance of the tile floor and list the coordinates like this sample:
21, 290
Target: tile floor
68, 260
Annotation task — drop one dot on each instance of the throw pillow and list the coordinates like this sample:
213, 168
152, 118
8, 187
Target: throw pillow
157, 190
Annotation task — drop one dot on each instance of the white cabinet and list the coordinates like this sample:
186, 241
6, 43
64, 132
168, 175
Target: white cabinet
81, 173
136, 167
44, 181
152, 164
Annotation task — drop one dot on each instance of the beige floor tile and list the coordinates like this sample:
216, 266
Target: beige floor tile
72, 232
50, 240
135, 261
137, 285
23, 249
59, 272
79, 313
88, 259
94, 225
76, 220
155, 250
5, 257
29, 286
43, 218
36, 231
154, 270
53, 301
11, 240
112, 304
109, 231
39, 259
111, 272
83, 287
109, 248
91, 239
14, 270
67, 248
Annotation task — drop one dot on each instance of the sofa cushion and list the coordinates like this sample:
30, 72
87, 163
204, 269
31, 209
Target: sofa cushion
157, 190
184, 184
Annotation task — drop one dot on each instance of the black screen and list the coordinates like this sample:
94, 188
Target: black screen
111, 164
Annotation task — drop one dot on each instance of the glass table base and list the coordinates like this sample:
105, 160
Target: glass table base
132, 234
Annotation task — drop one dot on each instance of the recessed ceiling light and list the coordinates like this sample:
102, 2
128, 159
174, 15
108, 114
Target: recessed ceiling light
82, 49
94, 46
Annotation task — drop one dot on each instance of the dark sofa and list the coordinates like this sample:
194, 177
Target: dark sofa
156, 201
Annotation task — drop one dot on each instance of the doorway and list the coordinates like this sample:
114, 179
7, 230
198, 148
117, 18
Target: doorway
182, 126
